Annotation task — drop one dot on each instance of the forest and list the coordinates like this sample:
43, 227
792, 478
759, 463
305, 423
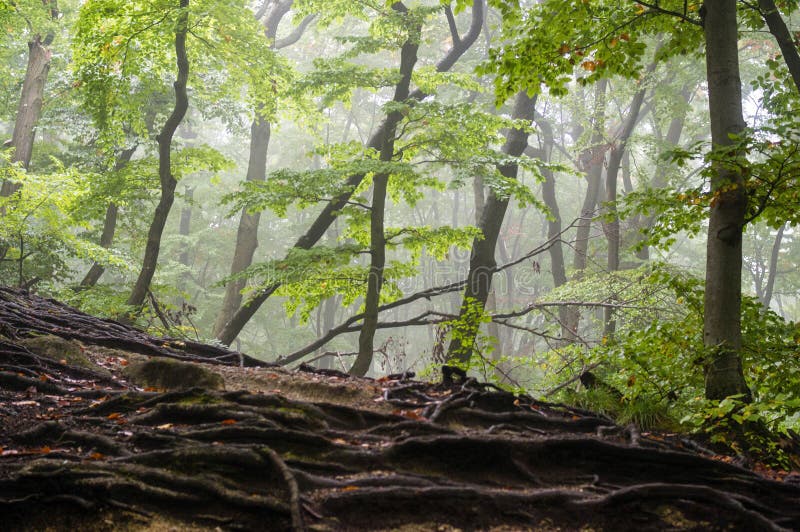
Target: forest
588, 204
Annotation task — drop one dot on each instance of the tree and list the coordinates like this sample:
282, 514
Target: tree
723, 295
482, 258
165, 175
29, 108
380, 183
324, 220
616, 56
260, 131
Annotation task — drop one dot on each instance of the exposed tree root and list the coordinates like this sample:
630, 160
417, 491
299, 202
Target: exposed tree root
23, 315
464, 455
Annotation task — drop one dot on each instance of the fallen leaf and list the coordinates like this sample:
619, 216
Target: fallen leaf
350, 488
228, 421
123, 362
44, 450
96, 456
165, 426
114, 415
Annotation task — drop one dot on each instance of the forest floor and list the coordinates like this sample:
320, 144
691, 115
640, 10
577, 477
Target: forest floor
83, 447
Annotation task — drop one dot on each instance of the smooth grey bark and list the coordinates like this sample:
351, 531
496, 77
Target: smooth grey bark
723, 294
482, 258
324, 220
377, 247
167, 180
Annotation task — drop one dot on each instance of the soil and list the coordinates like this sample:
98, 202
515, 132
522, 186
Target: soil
84, 449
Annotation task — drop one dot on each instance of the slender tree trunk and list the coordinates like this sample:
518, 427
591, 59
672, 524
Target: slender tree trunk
618, 149
185, 230
329, 212
109, 225
766, 298
377, 247
554, 223
168, 182
260, 129
723, 295
659, 180
591, 162
247, 234
30, 107
482, 259
786, 42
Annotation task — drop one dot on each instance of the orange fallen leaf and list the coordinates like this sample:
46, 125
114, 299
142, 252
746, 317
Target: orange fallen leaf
45, 450
63, 361
410, 414
123, 362
114, 415
350, 488
228, 421
43, 378
96, 456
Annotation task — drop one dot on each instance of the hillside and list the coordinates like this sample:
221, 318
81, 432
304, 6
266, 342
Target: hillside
257, 447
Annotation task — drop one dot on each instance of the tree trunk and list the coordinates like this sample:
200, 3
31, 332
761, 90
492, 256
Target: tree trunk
377, 246
618, 149
554, 226
247, 234
659, 180
329, 213
723, 295
482, 259
766, 297
260, 130
109, 225
30, 107
777, 27
591, 162
168, 182
185, 230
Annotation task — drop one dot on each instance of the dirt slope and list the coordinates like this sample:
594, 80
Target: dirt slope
83, 448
